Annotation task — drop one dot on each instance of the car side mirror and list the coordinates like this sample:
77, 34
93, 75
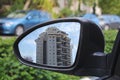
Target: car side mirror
71, 46
29, 17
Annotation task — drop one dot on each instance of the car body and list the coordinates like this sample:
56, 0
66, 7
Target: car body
19, 21
109, 21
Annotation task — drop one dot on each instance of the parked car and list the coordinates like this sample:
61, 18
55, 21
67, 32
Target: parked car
91, 17
19, 21
109, 22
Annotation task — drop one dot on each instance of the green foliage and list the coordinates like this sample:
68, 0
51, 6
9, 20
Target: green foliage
13, 6
46, 5
19, 4
110, 6
65, 12
11, 69
110, 37
89, 3
43, 4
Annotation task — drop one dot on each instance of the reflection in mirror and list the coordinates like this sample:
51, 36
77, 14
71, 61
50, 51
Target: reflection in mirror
52, 45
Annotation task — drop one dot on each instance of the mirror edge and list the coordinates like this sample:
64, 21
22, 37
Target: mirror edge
17, 53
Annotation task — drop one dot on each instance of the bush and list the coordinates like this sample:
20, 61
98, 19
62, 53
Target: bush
110, 37
66, 12
11, 69
11, 6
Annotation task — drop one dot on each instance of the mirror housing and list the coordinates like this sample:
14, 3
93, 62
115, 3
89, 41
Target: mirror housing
90, 59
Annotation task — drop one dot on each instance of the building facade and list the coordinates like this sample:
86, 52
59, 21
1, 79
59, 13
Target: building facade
53, 48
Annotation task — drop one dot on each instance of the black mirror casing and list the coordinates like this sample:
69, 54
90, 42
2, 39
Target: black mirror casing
90, 59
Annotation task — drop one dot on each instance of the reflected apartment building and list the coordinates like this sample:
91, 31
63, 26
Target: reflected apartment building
53, 48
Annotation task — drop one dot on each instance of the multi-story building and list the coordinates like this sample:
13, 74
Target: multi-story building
53, 48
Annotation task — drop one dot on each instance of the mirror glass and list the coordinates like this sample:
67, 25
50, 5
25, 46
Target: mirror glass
52, 45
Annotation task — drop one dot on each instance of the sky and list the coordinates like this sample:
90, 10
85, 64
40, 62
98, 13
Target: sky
27, 45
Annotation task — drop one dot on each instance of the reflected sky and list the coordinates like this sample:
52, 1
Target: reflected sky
27, 45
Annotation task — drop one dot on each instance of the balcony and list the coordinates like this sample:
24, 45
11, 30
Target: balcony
64, 50
59, 59
59, 52
58, 39
59, 45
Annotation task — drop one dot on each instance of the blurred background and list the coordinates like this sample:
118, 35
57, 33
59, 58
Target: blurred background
104, 13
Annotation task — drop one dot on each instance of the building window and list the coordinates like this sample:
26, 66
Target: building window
58, 52
58, 45
64, 50
58, 39
44, 53
59, 59
64, 56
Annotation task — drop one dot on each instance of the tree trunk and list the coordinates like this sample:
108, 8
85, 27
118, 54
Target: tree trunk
27, 4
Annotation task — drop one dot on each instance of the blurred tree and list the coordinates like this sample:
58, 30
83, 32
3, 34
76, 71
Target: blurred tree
65, 12
55, 3
27, 4
43, 4
110, 6
46, 5
12, 3
69, 3
15, 6
88, 3
79, 1
7, 6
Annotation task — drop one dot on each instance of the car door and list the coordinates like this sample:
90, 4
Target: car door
114, 21
43, 16
32, 20
117, 22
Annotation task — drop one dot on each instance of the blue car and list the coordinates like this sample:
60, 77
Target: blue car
91, 17
109, 22
19, 21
